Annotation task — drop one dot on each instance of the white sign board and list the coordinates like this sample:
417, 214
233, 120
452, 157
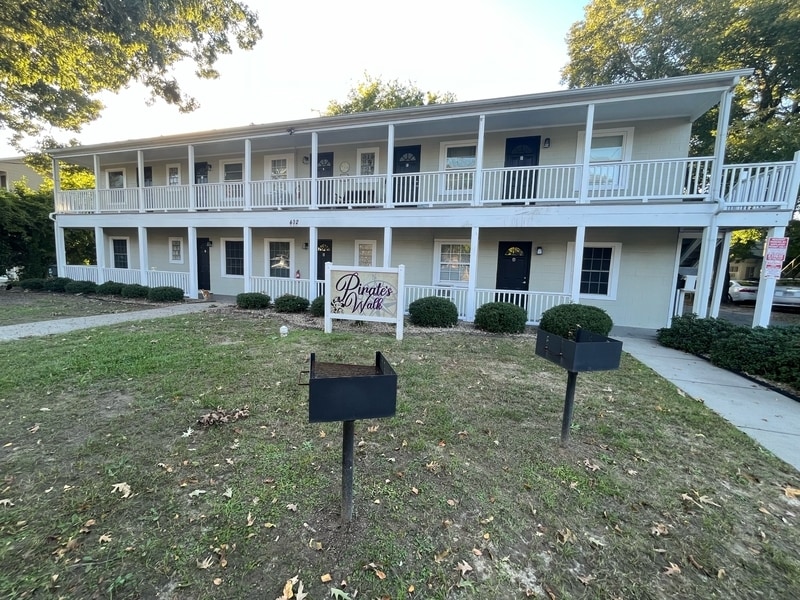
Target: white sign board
774, 255
364, 294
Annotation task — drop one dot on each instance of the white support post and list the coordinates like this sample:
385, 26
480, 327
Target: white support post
313, 242
248, 259
766, 288
140, 178
577, 263
708, 246
477, 188
794, 185
583, 194
192, 241
97, 181
389, 169
61, 252
722, 270
192, 196
100, 254
248, 176
143, 262
719, 147
57, 178
472, 283
314, 162
387, 247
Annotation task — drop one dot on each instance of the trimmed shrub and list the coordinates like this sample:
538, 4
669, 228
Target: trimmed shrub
165, 293
317, 307
56, 284
81, 287
109, 288
34, 284
134, 290
690, 334
501, 317
289, 303
252, 300
563, 320
433, 311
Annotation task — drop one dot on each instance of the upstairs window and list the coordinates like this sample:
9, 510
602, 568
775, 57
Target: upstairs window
609, 149
459, 157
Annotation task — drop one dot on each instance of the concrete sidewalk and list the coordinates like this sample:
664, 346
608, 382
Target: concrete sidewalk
769, 417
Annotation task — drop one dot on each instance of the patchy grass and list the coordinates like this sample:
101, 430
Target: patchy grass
112, 490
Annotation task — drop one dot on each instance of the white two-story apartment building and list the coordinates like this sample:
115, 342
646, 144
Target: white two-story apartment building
583, 195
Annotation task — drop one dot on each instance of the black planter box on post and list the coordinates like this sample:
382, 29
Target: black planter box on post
587, 352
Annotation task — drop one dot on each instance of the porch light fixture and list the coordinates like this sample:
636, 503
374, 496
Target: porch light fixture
539, 250
305, 245
209, 243
305, 160
290, 130
546, 143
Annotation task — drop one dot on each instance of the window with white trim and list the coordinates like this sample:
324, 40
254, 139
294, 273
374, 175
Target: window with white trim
280, 257
176, 250
365, 253
367, 161
119, 250
174, 174
452, 262
233, 257
115, 179
600, 265
279, 167
609, 148
458, 157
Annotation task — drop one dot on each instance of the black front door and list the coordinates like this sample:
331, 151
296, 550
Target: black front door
406, 160
521, 152
513, 270
203, 264
325, 170
324, 255
201, 177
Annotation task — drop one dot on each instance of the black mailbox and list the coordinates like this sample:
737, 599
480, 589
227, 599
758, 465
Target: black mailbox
344, 392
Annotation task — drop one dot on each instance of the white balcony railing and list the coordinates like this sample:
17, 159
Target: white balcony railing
168, 279
275, 287
675, 180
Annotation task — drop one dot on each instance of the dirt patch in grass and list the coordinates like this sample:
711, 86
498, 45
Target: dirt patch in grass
116, 491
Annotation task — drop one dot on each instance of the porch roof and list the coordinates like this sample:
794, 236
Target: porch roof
687, 97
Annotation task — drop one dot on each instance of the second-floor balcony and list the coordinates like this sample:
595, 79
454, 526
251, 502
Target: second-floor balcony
740, 187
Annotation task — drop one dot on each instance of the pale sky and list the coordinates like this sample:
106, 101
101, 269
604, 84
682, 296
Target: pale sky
314, 51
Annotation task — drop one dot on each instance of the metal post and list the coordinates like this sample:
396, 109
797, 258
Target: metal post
348, 431
569, 402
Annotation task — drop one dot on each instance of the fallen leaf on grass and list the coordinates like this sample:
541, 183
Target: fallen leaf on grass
326, 578
205, 563
105, 538
659, 529
6, 502
586, 579
34, 428
590, 465
791, 492
228, 493
196, 493
672, 569
463, 567
217, 581
376, 569
123, 488
565, 536
707, 500
441, 555
292, 507
250, 519
340, 594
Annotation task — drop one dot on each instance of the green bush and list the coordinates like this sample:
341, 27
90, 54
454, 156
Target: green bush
501, 317
317, 307
109, 288
34, 284
81, 287
690, 334
252, 300
165, 294
563, 320
134, 290
56, 284
433, 311
289, 303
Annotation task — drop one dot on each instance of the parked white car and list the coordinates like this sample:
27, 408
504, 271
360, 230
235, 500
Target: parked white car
746, 291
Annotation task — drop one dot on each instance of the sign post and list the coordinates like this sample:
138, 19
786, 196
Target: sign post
364, 294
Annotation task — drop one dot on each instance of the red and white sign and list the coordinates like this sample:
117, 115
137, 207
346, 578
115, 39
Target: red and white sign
774, 255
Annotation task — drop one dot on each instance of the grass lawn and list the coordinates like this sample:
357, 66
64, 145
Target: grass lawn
112, 489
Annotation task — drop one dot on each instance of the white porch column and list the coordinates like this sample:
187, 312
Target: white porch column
766, 288
387, 247
577, 263
61, 251
389, 169
192, 241
192, 198
472, 283
140, 178
143, 263
97, 182
583, 194
248, 259
708, 246
313, 241
248, 176
57, 178
477, 187
314, 161
722, 269
100, 254
719, 147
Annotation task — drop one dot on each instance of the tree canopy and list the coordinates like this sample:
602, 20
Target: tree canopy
57, 55
375, 94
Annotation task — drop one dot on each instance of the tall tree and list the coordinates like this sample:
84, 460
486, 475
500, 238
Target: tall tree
57, 55
375, 94
26, 233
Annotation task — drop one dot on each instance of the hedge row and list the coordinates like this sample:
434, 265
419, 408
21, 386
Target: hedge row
109, 288
772, 353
